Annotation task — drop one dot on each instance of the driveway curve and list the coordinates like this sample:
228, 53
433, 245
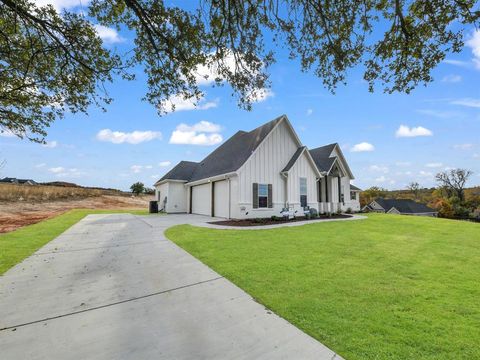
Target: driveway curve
113, 287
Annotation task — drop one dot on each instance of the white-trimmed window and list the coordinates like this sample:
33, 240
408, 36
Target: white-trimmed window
262, 195
353, 195
303, 192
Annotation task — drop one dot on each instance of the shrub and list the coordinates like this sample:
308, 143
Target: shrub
313, 213
349, 210
274, 218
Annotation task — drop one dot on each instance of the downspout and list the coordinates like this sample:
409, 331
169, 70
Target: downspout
229, 198
285, 175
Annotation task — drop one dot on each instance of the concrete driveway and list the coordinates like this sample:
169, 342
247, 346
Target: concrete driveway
113, 287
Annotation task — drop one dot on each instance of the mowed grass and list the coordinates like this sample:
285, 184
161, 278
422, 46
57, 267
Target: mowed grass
19, 244
389, 287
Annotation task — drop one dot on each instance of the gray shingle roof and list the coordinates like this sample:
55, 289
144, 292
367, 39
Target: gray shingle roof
321, 156
405, 206
294, 158
354, 188
228, 157
182, 171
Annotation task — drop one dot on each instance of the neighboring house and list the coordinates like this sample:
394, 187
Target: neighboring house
18, 181
400, 206
259, 173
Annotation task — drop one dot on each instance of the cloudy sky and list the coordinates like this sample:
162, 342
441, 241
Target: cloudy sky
389, 140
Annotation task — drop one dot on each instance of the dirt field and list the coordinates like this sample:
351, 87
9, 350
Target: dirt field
20, 213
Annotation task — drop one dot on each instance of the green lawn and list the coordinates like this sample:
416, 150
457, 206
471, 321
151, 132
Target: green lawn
389, 287
19, 244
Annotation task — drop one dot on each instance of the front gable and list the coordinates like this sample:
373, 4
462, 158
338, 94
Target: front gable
337, 152
268, 160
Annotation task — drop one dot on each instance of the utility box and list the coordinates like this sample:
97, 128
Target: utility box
153, 207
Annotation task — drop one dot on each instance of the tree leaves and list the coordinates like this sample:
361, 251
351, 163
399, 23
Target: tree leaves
51, 63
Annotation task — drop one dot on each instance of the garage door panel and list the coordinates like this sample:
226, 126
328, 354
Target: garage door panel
201, 199
221, 199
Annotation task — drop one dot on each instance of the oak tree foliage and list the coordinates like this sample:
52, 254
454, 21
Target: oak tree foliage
53, 62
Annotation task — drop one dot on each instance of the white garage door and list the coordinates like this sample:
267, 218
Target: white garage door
220, 202
201, 199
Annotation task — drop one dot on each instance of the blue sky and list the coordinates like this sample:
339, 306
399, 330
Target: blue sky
389, 140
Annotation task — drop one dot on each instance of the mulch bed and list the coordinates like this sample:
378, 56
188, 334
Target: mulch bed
269, 221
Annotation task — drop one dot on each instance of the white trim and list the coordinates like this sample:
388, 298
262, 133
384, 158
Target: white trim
211, 179
344, 161
283, 118
312, 162
168, 180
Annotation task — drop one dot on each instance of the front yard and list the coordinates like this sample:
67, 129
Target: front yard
389, 287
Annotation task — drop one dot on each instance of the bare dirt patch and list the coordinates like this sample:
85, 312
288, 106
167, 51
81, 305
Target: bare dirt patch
20, 213
269, 221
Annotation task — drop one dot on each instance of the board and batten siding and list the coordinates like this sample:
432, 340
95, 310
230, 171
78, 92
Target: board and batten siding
264, 167
302, 168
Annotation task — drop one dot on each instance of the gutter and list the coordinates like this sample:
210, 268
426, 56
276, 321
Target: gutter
211, 179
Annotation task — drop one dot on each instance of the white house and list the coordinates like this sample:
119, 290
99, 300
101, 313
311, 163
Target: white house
259, 173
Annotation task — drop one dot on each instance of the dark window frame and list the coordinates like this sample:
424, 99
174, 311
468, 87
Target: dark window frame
262, 199
303, 195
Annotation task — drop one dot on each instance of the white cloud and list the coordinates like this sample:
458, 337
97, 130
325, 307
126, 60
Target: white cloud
202, 126
209, 73
62, 4
403, 163
439, 114
457, 62
50, 144
434, 165
56, 170
377, 168
425, 173
136, 168
108, 35
41, 165
192, 138
164, 163
474, 44
476, 156
260, 95
135, 137
363, 146
309, 112
381, 179
468, 102
405, 131
201, 133
180, 103
452, 78
139, 168
463, 146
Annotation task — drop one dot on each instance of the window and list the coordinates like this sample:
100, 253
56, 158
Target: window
353, 195
262, 195
303, 192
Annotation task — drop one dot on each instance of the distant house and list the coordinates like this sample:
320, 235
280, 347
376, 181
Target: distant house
18, 181
258, 174
400, 206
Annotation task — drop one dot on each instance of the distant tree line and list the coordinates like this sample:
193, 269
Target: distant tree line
451, 198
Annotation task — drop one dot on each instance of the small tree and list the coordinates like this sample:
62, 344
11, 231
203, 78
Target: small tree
453, 182
137, 188
414, 187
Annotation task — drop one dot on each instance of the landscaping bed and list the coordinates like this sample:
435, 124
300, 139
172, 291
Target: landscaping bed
274, 220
